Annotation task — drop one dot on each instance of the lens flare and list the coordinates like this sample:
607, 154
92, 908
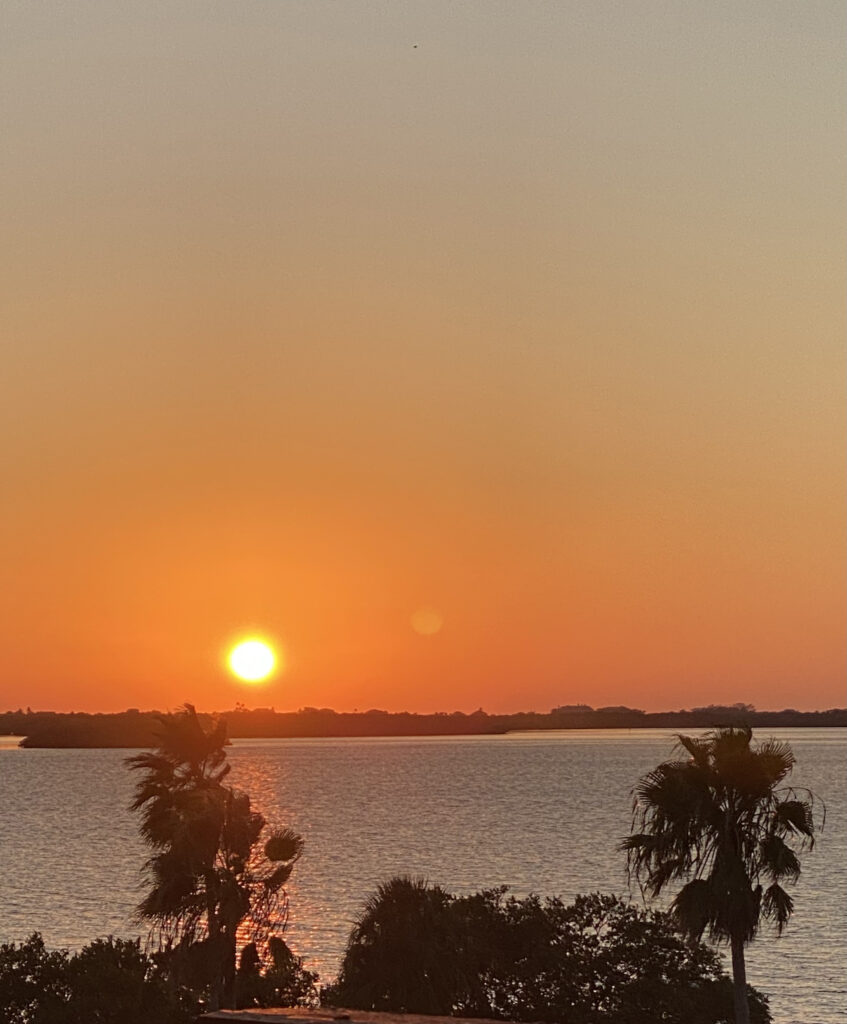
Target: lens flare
427, 621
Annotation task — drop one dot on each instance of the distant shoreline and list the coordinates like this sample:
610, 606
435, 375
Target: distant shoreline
50, 729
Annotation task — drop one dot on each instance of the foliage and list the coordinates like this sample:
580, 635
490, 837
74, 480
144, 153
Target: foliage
721, 822
33, 983
110, 981
416, 948
212, 888
404, 951
284, 981
113, 981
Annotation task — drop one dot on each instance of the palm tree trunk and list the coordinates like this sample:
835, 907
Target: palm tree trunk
213, 935
229, 995
739, 983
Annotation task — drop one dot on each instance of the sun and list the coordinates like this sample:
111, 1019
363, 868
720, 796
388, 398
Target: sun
252, 660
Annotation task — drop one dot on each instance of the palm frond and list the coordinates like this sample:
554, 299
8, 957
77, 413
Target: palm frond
777, 759
697, 748
778, 860
777, 905
278, 877
692, 907
795, 816
284, 845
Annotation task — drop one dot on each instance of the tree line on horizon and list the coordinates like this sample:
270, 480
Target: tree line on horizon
718, 820
134, 728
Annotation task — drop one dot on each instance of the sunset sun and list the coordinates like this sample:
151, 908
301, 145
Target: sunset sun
252, 660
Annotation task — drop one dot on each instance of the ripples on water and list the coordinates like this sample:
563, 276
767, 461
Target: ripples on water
539, 812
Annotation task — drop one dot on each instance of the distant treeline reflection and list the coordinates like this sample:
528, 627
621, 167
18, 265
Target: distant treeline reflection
134, 728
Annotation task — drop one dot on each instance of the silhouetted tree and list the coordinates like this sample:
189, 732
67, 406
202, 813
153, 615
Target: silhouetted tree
721, 822
211, 888
401, 954
112, 981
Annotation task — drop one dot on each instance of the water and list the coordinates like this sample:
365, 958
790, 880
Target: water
538, 812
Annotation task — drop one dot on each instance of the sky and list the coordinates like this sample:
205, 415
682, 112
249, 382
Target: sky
477, 354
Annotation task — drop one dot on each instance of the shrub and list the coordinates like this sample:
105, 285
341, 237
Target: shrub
33, 983
113, 981
596, 961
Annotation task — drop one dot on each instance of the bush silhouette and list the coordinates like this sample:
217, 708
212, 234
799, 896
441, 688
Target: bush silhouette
599, 960
110, 981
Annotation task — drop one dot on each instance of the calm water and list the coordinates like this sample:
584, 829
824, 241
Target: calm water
538, 812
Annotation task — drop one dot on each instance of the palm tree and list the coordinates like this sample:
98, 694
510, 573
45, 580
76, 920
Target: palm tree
721, 821
210, 889
403, 954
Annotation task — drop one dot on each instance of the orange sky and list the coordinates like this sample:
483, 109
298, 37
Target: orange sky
317, 314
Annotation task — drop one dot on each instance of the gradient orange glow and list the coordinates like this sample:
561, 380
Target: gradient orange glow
538, 325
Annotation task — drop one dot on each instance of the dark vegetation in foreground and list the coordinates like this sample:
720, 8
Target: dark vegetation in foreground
114, 981
140, 729
416, 948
